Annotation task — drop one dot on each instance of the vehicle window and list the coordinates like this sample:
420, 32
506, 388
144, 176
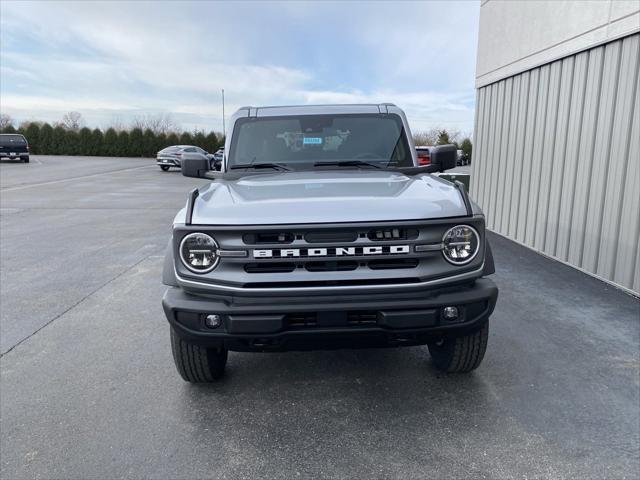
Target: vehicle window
190, 150
299, 141
10, 140
199, 150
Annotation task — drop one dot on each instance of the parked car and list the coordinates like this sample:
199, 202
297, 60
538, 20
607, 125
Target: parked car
424, 155
323, 231
462, 158
14, 146
171, 156
217, 158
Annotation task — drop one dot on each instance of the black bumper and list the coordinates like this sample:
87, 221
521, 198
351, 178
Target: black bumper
287, 323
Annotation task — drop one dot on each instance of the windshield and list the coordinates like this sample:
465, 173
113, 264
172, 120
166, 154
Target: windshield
302, 141
11, 140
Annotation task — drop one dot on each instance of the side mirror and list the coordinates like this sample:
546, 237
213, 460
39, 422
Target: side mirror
444, 157
194, 165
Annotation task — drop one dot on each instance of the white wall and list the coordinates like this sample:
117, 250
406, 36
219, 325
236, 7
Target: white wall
556, 159
517, 35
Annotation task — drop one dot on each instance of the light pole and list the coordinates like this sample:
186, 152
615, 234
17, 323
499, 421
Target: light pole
224, 132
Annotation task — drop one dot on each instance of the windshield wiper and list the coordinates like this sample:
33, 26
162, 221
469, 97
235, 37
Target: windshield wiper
275, 166
346, 163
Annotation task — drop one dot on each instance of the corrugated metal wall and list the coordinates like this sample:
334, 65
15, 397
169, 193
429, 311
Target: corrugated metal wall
556, 161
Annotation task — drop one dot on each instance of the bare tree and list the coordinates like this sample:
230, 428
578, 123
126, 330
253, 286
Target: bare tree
72, 121
435, 135
426, 137
5, 121
157, 123
116, 123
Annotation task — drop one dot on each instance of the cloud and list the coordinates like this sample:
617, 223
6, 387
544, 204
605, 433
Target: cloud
116, 58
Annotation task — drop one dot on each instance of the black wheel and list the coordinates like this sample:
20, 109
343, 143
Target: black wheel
26, 160
164, 168
462, 354
197, 364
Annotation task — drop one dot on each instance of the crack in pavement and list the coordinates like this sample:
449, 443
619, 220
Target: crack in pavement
49, 322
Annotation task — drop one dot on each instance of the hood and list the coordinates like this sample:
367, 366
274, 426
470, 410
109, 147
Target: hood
326, 196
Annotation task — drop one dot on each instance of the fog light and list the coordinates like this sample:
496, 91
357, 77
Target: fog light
213, 321
450, 313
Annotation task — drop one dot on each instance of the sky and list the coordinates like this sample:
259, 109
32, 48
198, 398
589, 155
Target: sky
114, 61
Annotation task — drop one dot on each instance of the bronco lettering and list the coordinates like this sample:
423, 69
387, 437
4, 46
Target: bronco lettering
332, 251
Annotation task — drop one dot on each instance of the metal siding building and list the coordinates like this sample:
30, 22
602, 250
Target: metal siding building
556, 162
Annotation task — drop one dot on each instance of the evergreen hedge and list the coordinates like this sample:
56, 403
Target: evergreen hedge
47, 140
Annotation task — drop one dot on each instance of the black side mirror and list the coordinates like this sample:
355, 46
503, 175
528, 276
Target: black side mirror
444, 157
194, 165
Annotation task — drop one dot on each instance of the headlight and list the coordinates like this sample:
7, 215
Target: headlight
460, 244
198, 252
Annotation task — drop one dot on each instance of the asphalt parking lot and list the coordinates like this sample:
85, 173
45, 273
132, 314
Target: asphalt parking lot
88, 388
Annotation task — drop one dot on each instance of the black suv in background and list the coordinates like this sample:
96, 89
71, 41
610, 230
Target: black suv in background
14, 146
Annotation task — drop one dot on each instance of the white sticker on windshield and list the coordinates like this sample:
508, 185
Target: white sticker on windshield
312, 141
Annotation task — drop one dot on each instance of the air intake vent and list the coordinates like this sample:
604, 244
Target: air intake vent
331, 266
301, 320
267, 237
362, 318
393, 263
332, 237
392, 234
272, 267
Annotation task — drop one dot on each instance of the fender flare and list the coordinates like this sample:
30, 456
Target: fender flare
489, 265
168, 270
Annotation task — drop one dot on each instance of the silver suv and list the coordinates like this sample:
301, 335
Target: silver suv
322, 231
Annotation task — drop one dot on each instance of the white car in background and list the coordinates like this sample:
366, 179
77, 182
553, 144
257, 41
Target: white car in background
172, 156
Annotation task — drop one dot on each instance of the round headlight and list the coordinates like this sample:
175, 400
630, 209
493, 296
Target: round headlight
460, 244
198, 252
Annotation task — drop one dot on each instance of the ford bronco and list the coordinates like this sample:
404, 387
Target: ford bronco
321, 231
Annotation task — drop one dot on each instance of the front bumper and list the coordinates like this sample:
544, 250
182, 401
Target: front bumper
15, 156
295, 323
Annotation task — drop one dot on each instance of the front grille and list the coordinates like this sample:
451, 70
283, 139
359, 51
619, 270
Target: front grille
328, 250
318, 256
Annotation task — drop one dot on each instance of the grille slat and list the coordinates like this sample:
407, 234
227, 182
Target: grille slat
269, 267
348, 236
393, 263
263, 238
331, 266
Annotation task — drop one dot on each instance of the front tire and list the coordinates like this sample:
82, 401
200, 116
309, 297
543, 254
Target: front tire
461, 354
164, 168
197, 364
26, 160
